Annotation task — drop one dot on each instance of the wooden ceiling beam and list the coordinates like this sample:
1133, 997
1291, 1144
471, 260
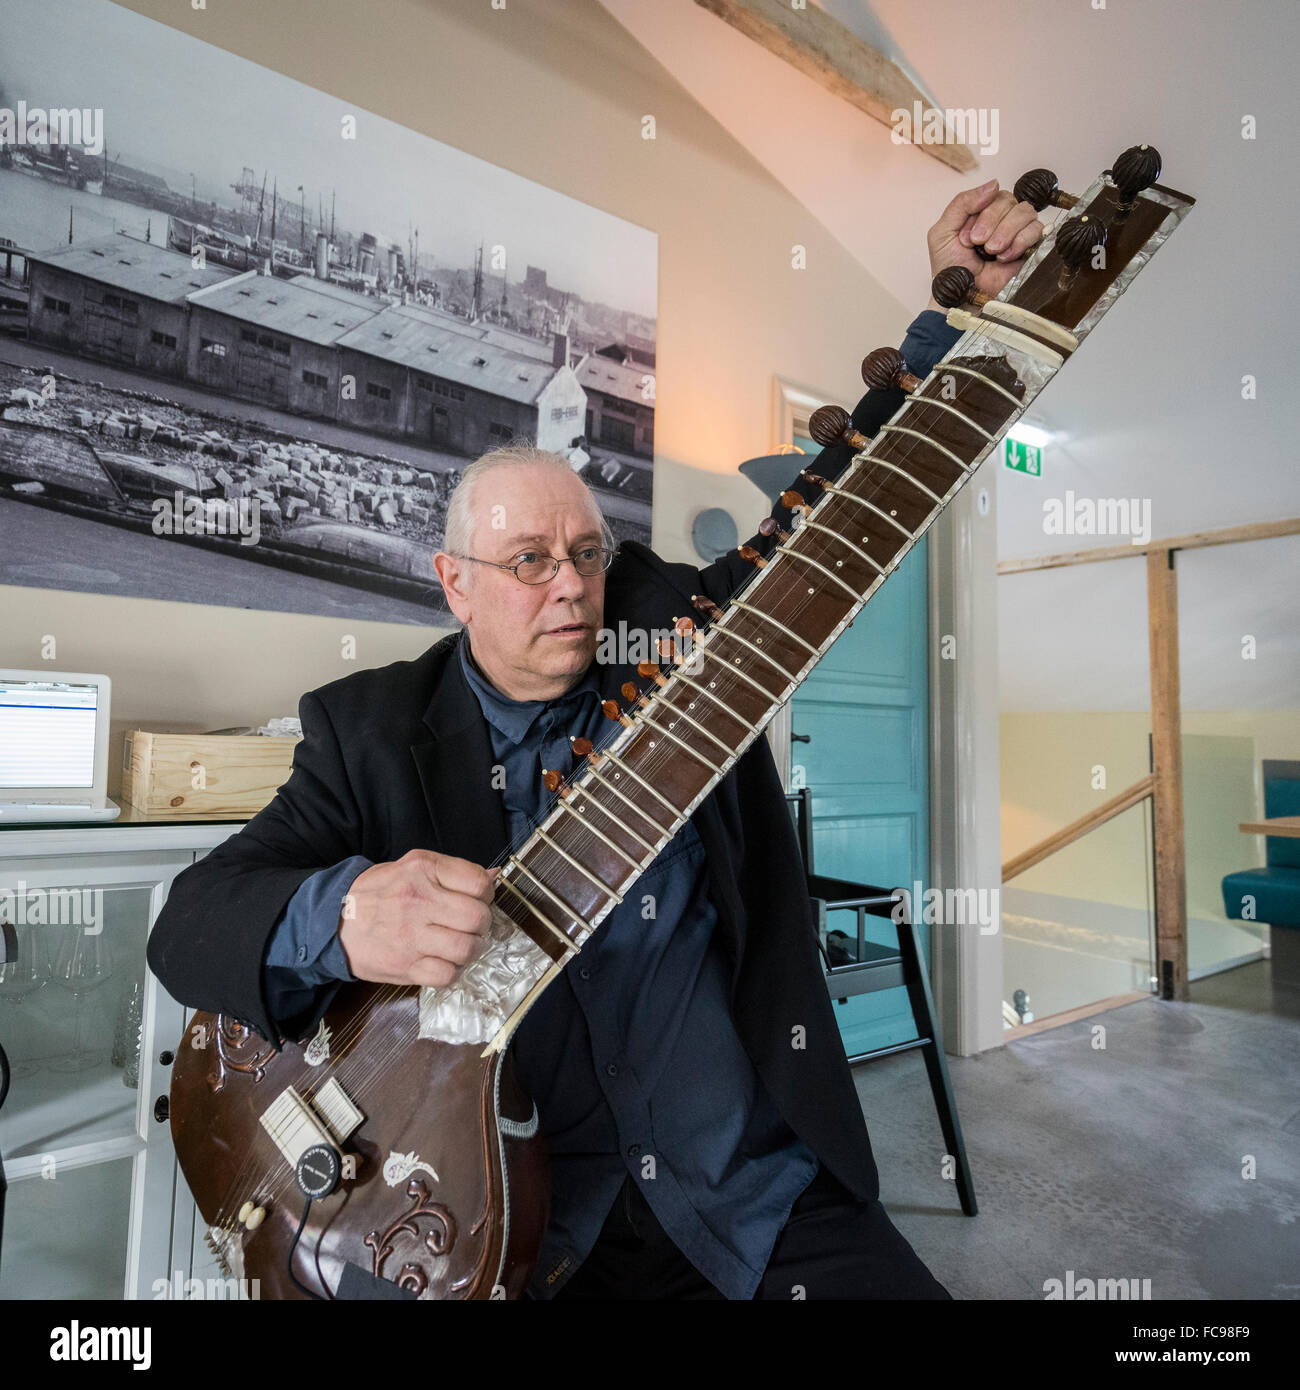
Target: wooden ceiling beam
820, 47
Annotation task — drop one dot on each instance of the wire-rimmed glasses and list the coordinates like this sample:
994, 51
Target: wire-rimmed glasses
534, 568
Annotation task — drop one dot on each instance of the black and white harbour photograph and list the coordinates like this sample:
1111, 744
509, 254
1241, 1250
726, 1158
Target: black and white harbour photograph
251, 335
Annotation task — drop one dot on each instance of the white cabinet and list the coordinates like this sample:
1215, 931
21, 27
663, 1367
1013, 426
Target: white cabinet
96, 1206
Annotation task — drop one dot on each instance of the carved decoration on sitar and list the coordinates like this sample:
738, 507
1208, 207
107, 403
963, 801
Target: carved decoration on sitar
234, 1041
438, 1239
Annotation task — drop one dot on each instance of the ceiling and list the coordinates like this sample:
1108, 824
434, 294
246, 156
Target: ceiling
1152, 409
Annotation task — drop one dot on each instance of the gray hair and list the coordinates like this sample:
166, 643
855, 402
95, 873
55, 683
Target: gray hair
459, 529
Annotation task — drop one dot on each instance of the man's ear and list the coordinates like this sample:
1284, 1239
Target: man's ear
454, 577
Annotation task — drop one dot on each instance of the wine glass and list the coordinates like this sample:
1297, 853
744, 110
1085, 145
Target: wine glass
84, 962
21, 977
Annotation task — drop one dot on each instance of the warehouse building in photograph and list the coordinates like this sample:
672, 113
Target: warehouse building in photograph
620, 403
310, 347
455, 390
119, 300
273, 341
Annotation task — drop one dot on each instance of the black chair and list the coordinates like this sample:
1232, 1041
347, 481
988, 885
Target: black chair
856, 966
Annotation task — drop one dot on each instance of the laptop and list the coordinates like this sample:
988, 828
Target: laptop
54, 747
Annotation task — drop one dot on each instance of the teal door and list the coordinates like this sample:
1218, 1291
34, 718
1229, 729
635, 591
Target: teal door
865, 709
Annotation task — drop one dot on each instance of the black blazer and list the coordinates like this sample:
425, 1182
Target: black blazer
399, 758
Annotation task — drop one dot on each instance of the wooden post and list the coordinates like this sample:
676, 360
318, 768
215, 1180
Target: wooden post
1167, 771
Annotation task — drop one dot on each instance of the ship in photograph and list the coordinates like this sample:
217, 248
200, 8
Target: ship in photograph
392, 1153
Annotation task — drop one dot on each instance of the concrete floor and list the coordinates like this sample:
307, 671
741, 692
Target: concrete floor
1122, 1162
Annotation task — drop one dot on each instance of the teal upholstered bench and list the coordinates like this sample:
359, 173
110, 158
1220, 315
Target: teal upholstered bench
1272, 894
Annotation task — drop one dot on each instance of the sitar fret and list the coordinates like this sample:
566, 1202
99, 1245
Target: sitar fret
817, 526
566, 803
680, 678
679, 713
788, 633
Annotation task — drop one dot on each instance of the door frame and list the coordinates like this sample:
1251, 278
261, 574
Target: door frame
965, 849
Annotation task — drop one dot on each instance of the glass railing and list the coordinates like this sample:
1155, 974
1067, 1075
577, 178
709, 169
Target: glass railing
1078, 926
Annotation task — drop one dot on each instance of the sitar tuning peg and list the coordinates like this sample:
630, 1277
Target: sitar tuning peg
769, 527
582, 747
551, 779
1078, 240
611, 711
706, 606
955, 286
668, 649
629, 691
813, 479
1135, 170
1040, 190
832, 424
747, 552
649, 670
792, 502
684, 627
885, 367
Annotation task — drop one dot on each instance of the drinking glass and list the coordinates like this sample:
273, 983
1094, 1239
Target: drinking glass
84, 963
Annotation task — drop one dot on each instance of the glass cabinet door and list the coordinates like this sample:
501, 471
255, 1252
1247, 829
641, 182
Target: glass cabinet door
77, 1012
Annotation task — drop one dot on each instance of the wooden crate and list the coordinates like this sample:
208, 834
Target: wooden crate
192, 775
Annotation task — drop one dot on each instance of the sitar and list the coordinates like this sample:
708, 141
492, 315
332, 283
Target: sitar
393, 1154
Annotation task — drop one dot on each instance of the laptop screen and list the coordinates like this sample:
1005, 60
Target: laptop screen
47, 734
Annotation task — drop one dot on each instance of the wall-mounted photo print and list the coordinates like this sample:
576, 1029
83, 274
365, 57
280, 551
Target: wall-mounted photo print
251, 335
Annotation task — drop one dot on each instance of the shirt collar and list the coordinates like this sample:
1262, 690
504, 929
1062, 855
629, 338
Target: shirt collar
515, 718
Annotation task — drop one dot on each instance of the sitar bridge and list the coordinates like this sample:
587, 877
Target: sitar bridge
297, 1126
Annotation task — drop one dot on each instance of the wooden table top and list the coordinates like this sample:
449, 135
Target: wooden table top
1279, 825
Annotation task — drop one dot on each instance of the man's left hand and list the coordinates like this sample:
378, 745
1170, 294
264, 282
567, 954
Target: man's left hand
990, 217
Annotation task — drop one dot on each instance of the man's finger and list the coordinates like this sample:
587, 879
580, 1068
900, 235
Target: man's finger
1025, 239
994, 211
459, 912
443, 943
1012, 222
458, 876
966, 204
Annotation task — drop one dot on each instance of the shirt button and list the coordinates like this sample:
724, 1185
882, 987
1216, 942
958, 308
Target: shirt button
633, 1150
302, 953
584, 973
611, 1070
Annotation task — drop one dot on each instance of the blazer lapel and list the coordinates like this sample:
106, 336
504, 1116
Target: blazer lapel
455, 768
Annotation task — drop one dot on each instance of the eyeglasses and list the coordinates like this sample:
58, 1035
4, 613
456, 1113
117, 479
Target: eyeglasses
541, 569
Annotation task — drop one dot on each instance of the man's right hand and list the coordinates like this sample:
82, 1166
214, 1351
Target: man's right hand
418, 920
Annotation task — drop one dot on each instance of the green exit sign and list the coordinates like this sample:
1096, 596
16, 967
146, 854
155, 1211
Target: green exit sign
1023, 458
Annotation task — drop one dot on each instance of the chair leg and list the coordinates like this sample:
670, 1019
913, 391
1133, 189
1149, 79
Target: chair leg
927, 1026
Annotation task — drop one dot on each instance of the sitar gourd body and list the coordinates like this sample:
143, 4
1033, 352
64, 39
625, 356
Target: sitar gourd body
450, 1194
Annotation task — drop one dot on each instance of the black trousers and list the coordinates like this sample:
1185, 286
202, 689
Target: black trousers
832, 1247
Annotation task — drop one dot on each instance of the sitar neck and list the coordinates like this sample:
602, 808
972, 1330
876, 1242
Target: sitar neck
686, 727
